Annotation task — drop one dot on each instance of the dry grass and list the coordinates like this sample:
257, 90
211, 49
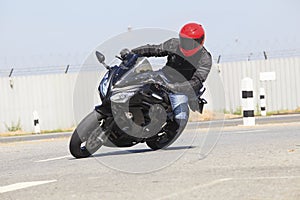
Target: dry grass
14, 133
209, 115
281, 112
22, 133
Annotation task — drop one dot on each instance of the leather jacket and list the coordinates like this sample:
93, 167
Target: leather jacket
183, 71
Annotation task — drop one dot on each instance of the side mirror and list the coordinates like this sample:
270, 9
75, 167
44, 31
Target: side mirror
100, 57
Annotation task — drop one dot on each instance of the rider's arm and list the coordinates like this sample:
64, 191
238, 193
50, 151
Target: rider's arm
160, 50
200, 75
203, 66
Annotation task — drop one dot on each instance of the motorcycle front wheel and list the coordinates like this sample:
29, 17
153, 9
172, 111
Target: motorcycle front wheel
85, 138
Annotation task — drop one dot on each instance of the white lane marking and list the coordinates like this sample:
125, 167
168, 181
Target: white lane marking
22, 185
51, 159
268, 178
245, 131
171, 196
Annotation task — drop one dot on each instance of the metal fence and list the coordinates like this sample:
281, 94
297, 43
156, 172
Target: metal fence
51, 95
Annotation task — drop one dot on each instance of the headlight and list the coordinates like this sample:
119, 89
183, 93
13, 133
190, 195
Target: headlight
121, 97
104, 85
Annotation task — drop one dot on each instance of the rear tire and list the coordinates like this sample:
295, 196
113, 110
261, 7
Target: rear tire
162, 142
169, 137
86, 127
165, 140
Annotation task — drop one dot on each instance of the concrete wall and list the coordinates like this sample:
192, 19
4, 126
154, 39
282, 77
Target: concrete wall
281, 94
50, 95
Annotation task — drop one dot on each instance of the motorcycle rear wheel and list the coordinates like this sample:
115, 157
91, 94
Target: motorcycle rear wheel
162, 142
165, 138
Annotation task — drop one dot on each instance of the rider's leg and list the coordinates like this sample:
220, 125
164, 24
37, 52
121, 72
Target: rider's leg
180, 108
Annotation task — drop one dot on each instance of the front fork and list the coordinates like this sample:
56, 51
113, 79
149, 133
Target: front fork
107, 123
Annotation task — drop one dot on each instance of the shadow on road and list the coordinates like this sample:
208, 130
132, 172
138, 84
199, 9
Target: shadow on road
134, 151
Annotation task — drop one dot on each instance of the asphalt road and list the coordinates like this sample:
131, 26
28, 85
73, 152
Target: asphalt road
261, 162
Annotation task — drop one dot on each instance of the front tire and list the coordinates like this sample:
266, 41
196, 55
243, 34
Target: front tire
87, 128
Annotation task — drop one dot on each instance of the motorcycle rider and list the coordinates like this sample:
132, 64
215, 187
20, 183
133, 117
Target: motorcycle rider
188, 65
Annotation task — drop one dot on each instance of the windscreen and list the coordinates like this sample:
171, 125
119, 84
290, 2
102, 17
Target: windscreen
142, 66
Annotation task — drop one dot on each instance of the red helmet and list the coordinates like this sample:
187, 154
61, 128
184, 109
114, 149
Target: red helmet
191, 39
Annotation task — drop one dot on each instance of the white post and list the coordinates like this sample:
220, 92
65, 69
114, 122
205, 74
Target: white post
247, 102
36, 123
264, 78
262, 97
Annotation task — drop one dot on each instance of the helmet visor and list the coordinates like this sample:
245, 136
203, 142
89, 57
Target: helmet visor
189, 43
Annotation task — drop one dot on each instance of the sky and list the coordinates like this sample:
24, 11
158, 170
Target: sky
45, 33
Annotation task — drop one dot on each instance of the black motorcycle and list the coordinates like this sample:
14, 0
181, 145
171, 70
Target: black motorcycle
135, 109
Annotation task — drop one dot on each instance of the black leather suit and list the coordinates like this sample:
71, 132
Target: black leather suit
193, 70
